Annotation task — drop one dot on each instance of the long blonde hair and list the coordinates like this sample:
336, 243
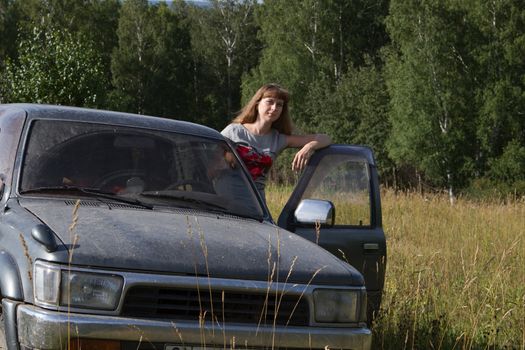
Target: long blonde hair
248, 113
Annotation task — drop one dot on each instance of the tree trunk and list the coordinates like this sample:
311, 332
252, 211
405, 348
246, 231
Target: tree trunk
451, 194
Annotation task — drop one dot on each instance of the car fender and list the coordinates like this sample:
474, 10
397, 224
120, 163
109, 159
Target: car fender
10, 283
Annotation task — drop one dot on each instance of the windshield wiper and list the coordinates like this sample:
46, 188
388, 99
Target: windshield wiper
183, 198
216, 208
94, 192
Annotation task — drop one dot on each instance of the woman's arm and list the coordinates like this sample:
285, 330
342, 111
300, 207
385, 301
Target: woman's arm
308, 145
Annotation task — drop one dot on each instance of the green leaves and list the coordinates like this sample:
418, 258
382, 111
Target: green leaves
224, 46
57, 68
430, 89
435, 87
150, 66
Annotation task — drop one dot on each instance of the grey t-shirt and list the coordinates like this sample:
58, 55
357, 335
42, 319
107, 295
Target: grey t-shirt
257, 151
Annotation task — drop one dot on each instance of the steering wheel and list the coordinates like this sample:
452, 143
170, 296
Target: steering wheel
196, 185
118, 177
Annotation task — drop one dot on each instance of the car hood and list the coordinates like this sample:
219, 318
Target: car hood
189, 242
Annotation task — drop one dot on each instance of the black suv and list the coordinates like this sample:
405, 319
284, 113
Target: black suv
120, 231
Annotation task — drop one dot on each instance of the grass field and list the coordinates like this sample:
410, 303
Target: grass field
455, 274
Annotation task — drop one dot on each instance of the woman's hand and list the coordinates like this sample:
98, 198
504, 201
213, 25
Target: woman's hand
308, 144
302, 157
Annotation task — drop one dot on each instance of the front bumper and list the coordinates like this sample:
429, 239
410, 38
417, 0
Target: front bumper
44, 329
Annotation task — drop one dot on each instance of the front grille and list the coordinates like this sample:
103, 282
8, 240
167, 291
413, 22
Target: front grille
131, 345
226, 307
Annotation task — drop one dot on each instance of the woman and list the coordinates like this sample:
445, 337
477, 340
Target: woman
264, 128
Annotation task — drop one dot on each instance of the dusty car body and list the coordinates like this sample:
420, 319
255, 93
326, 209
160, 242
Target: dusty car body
120, 231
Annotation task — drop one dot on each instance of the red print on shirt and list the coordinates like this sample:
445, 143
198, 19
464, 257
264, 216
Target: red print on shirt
257, 163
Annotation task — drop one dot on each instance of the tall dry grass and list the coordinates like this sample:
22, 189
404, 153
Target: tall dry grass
455, 274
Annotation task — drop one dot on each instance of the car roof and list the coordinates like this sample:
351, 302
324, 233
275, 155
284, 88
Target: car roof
52, 112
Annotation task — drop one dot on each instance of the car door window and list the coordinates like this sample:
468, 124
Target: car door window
10, 129
345, 181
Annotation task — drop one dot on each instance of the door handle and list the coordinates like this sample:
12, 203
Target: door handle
370, 247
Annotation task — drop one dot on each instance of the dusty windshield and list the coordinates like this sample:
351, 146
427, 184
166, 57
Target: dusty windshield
154, 167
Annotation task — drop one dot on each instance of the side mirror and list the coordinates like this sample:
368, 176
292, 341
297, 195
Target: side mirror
312, 211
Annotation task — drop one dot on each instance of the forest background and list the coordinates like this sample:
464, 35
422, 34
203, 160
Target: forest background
436, 88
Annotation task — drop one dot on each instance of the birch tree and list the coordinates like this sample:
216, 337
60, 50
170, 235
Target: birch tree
225, 46
431, 89
150, 65
296, 41
94, 20
500, 59
313, 43
55, 67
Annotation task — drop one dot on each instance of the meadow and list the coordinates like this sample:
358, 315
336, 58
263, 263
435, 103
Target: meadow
455, 273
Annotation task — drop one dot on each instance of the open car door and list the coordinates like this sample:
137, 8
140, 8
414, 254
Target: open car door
336, 204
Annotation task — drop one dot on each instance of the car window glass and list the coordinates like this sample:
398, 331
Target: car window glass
345, 182
136, 162
10, 129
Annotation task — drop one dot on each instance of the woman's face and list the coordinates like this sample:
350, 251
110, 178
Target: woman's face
269, 109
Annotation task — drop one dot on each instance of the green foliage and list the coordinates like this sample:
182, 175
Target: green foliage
94, 20
486, 189
354, 111
150, 66
500, 57
326, 54
433, 124
8, 20
436, 88
455, 76
509, 168
55, 67
224, 46
298, 45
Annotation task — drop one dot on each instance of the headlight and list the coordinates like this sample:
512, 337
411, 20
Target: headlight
55, 286
337, 306
90, 290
